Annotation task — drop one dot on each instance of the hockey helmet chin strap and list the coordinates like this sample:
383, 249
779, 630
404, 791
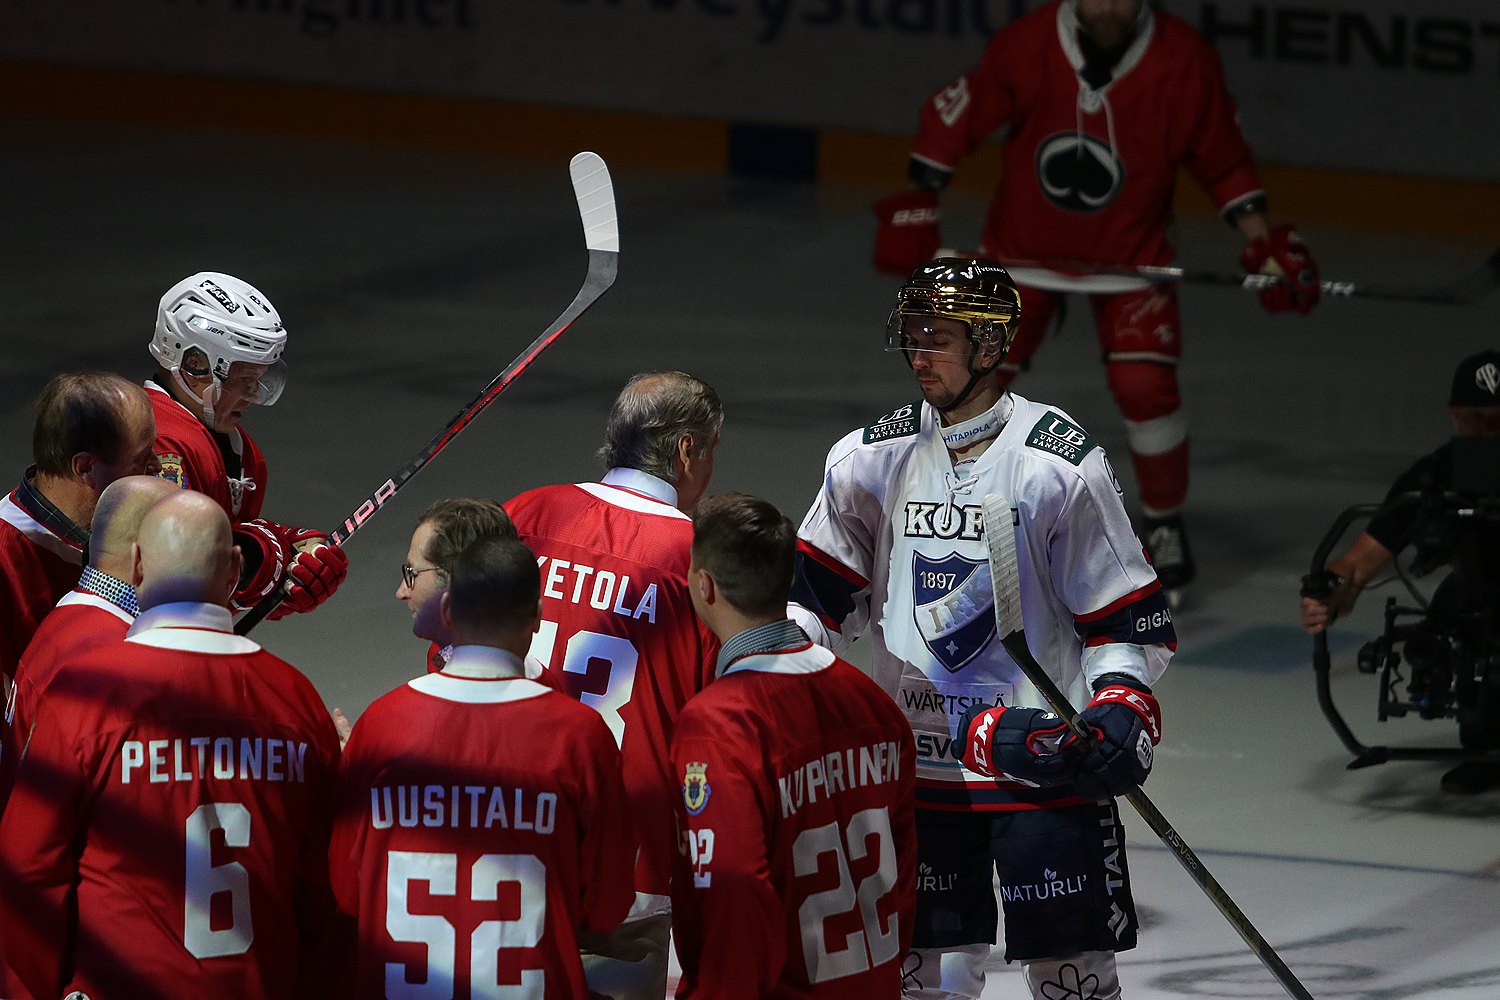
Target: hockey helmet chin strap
206, 401
974, 377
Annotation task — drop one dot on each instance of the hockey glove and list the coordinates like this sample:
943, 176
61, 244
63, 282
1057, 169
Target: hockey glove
908, 235
1283, 254
1126, 722
1017, 744
264, 548
313, 574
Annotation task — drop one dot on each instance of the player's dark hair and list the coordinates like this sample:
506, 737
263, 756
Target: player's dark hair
82, 411
747, 546
649, 417
495, 582
457, 523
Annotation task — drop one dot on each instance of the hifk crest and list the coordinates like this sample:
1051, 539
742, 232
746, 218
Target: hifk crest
954, 606
695, 790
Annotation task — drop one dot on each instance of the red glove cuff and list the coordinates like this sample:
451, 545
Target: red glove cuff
1141, 703
262, 544
977, 742
908, 233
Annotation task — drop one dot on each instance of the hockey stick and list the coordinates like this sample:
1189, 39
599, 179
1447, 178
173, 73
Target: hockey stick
1104, 278
601, 232
1005, 578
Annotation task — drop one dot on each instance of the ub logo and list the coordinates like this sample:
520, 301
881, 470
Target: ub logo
695, 788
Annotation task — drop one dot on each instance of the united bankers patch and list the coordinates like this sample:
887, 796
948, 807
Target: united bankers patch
172, 471
1061, 437
954, 606
695, 790
903, 421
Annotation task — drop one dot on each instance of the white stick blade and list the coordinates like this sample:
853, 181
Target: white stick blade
596, 201
1005, 571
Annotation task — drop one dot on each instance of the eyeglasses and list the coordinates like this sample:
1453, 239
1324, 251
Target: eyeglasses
409, 575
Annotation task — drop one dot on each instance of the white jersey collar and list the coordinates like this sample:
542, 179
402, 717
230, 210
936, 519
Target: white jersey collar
189, 625
1067, 37
483, 663
642, 482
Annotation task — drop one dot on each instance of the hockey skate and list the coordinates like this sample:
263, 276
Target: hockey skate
1167, 544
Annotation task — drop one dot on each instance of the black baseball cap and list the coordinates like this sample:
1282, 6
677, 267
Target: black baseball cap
1476, 382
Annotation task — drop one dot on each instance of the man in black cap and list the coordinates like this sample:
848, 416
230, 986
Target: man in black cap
1474, 403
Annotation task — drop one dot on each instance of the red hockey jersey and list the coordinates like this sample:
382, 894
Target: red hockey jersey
41, 555
480, 822
167, 834
1089, 172
620, 629
190, 457
796, 868
81, 621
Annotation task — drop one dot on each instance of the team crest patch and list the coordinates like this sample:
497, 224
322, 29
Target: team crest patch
903, 421
172, 471
1061, 437
954, 607
695, 790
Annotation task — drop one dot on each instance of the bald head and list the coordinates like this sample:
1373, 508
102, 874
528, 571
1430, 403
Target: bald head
184, 552
117, 521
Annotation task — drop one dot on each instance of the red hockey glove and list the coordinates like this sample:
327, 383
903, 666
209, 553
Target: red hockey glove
908, 235
1126, 721
264, 547
1017, 744
1283, 254
313, 575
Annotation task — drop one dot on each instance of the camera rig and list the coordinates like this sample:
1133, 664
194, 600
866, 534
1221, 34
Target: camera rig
1436, 658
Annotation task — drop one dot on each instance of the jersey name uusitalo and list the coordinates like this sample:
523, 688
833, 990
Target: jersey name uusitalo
895, 543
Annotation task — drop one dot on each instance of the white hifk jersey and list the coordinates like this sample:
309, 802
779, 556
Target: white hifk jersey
895, 542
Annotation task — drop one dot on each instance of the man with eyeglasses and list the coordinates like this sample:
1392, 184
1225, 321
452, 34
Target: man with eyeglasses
481, 821
219, 347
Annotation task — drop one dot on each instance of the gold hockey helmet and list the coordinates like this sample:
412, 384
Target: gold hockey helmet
976, 292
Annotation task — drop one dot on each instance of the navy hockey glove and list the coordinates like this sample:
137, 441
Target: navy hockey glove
1283, 254
908, 235
1017, 744
314, 573
1126, 721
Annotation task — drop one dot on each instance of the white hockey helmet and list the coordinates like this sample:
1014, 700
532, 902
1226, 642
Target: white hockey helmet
228, 320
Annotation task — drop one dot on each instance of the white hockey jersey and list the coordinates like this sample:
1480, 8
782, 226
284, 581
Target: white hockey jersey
895, 544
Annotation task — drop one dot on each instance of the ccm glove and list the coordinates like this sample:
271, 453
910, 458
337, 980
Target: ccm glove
1017, 744
1126, 722
265, 549
1283, 254
313, 574
908, 235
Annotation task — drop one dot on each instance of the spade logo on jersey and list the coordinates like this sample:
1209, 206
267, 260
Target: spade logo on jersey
954, 607
1077, 172
695, 790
